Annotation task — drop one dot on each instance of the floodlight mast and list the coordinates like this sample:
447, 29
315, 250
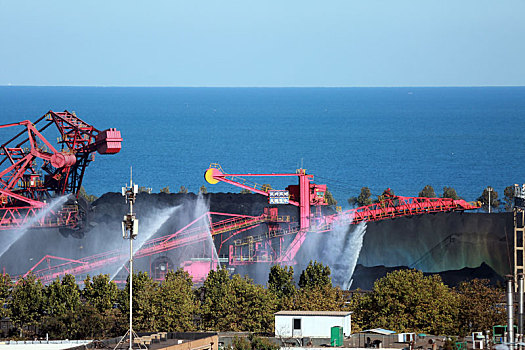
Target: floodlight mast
130, 230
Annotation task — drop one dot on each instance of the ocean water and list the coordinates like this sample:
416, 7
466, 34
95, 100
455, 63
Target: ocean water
402, 138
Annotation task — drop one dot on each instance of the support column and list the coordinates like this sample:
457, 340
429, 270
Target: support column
510, 311
304, 200
519, 336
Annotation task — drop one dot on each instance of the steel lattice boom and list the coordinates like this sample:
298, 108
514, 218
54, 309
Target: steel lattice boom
33, 171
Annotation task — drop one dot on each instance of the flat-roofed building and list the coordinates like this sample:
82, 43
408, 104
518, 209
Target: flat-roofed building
313, 324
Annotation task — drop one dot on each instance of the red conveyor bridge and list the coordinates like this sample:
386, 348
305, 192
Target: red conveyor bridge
278, 244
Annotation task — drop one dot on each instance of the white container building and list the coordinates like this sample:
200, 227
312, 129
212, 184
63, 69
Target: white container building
313, 324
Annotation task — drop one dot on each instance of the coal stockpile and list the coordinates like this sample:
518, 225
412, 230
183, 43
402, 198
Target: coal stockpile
441, 242
459, 246
364, 277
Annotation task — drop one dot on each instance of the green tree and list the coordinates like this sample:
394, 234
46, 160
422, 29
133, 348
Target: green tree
252, 343
282, 285
315, 275
62, 297
183, 189
6, 287
406, 300
489, 195
316, 291
329, 198
101, 292
428, 192
91, 323
236, 304
358, 303
165, 190
177, 302
449, 192
319, 298
255, 306
146, 309
61, 302
88, 197
280, 281
508, 192
363, 199
241, 343
245, 191
99, 315
258, 343
480, 306
203, 189
27, 302
218, 303
116, 323
59, 326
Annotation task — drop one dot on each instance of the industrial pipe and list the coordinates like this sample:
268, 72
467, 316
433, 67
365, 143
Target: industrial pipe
510, 312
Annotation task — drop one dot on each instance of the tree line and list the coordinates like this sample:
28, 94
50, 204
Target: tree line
488, 195
403, 300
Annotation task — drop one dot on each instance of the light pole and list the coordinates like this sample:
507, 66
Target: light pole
130, 229
489, 190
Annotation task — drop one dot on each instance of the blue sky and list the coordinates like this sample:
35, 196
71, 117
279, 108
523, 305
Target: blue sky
262, 43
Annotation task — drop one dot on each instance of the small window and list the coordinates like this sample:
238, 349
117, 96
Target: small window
296, 323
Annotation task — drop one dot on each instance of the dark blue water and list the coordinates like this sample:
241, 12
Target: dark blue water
403, 138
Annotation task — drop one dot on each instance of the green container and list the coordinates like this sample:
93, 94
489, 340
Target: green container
336, 338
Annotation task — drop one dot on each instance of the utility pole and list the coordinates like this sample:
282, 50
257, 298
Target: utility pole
130, 230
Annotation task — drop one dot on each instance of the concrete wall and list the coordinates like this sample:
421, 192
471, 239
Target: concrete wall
311, 326
209, 343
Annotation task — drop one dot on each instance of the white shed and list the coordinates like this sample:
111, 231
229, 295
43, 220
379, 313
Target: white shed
313, 324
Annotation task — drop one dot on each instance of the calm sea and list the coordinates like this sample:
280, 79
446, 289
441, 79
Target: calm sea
403, 138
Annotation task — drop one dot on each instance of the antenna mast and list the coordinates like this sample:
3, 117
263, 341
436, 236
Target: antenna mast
130, 230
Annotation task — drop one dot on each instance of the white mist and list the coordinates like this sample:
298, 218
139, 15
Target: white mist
16, 234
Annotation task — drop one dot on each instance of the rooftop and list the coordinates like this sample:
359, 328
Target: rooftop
379, 331
313, 313
42, 345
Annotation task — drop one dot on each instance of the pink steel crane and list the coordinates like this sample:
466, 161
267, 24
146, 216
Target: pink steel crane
304, 195
33, 171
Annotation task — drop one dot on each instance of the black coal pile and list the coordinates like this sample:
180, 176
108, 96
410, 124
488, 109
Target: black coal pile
440, 242
364, 277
